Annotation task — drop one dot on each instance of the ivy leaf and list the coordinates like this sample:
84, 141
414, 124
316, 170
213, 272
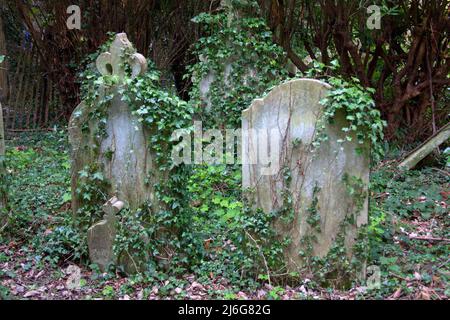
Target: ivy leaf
98, 176
87, 196
83, 174
67, 197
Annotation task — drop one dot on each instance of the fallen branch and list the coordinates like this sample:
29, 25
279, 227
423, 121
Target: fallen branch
29, 130
426, 148
429, 238
445, 173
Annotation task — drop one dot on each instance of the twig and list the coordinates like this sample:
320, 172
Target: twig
429, 238
441, 171
399, 277
134, 263
4, 227
443, 264
262, 255
28, 130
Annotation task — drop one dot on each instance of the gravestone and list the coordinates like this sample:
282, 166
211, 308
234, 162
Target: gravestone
123, 152
207, 81
102, 234
119, 149
282, 170
227, 66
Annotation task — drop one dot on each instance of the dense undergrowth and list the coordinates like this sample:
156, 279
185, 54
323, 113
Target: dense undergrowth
40, 237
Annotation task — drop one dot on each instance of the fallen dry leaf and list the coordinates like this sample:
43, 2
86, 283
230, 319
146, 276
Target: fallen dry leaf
31, 293
425, 295
397, 293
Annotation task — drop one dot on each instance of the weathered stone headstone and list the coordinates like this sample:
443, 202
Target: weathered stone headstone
223, 73
122, 152
118, 148
102, 234
283, 171
208, 80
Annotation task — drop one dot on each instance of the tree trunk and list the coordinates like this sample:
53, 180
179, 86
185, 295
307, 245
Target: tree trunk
3, 67
3, 94
2, 136
426, 148
2, 166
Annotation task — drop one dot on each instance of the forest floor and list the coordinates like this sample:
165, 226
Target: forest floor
409, 232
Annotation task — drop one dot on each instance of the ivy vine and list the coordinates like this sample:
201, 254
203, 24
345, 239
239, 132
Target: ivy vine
363, 119
243, 61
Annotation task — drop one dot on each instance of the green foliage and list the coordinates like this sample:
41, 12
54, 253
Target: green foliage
275, 293
199, 240
136, 238
160, 111
38, 168
212, 235
336, 269
88, 73
355, 188
91, 188
108, 292
62, 243
447, 157
224, 236
404, 202
222, 231
218, 236
4, 292
257, 64
411, 192
3, 186
22, 156
313, 212
357, 104
363, 119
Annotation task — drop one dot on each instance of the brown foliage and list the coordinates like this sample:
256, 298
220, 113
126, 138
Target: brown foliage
159, 29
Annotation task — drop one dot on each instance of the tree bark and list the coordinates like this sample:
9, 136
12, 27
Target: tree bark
2, 166
3, 95
3, 67
426, 148
2, 136
407, 62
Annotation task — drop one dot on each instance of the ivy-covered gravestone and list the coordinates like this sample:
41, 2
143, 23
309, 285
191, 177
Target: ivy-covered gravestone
236, 62
319, 191
110, 148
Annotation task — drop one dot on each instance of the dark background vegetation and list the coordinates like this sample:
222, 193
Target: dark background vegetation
406, 62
